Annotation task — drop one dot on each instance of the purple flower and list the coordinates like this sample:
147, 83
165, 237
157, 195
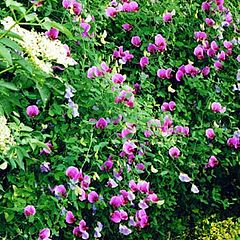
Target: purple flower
129, 147
93, 197
136, 41
144, 61
77, 8
67, 3
72, 173
70, 217
210, 133
205, 71
45, 167
184, 177
174, 152
160, 42
44, 234
101, 123
210, 22
198, 52
118, 78
127, 27
167, 17
29, 211
116, 201
152, 48
200, 36
217, 107
179, 75
60, 191
52, 33
32, 111
111, 12
124, 230
97, 230
212, 162
140, 166
206, 6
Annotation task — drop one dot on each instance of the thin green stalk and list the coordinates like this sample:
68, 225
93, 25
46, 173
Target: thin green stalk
7, 69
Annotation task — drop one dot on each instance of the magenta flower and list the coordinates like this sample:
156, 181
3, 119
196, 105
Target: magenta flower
218, 65
221, 56
127, 27
228, 45
211, 52
191, 70
148, 133
129, 147
77, 8
29, 211
105, 67
206, 6
44, 234
93, 197
200, 36
210, 22
152, 48
136, 41
101, 123
83, 229
70, 217
214, 46
133, 186
111, 12
60, 191
167, 17
116, 217
140, 166
144, 61
199, 52
212, 162
72, 173
67, 3
219, 2
107, 165
179, 75
217, 107
205, 71
130, 7
52, 33
164, 73
117, 201
32, 111
234, 142
160, 43
210, 133
143, 186
174, 152
118, 78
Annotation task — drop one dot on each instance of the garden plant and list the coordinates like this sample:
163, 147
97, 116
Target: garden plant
119, 119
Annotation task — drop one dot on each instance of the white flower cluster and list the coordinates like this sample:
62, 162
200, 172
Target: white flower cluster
5, 135
40, 49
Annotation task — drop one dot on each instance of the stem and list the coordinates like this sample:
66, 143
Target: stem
17, 22
6, 70
90, 145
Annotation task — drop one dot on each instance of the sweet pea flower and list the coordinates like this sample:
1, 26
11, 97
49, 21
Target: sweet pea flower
111, 12
116, 201
52, 33
210, 133
60, 191
118, 78
234, 142
70, 217
116, 217
124, 230
219, 2
228, 45
199, 52
44, 234
140, 166
93, 197
32, 111
217, 107
45, 167
136, 41
206, 6
221, 56
29, 211
101, 123
167, 17
143, 186
212, 162
194, 189
184, 177
77, 8
160, 42
205, 71
129, 147
127, 27
72, 173
174, 152
210, 22
179, 75
214, 46
218, 65
191, 70
133, 186
130, 6
67, 3
152, 48
111, 183
200, 36
211, 52
164, 73
144, 61
97, 230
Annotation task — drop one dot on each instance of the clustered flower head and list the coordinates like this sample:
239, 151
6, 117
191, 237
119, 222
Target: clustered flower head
39, 48
6, 139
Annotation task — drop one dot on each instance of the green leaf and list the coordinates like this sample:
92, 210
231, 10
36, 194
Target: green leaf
5, 54
11, 44
10, 34
44, 93
16, 6
8, 85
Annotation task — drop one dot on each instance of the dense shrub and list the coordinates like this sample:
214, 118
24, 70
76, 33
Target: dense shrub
118, 119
